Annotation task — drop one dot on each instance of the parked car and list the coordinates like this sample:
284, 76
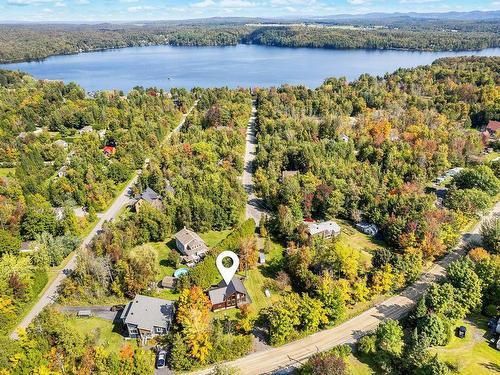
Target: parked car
161, 359
117, 307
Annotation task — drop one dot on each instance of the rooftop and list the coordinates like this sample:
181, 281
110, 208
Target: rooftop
147, 312
315, 228
223, 291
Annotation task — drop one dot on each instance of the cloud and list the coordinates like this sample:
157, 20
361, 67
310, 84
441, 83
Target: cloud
358, 2
235, 4
203, 4
81, 2
60, 4
29, 2
417, 1
140, 8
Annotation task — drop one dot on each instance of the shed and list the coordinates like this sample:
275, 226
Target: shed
262, 258
84, 313
168, 282
461, 331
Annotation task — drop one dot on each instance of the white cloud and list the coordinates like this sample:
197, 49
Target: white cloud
80, 2
358, 2
140, 8
235, 4
29, 2
203, 4
60, 4
417, 1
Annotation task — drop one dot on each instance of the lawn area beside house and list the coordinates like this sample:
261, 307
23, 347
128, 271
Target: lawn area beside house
256, 279
472, 355
213, 237
103, 331
356, 239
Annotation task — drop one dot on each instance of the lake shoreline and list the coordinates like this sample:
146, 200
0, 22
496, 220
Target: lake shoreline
241, 65
105, 49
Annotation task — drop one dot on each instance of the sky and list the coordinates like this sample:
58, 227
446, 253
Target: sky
140, 10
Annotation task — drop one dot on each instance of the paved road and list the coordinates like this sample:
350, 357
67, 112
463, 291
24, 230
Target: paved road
282, 359
123, 199
254, 207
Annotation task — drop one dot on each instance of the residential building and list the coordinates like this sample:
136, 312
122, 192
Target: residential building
325, 229
228, 296
146, 317
367, 228
493, 127
191, 246
168, 282
287, 174
150, 196
61, 143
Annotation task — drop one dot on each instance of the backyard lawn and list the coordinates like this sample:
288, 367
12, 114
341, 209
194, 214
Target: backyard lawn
356, 239
472, 355
105, 332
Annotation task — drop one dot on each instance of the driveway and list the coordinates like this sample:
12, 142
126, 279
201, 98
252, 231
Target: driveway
283, 358
103, 312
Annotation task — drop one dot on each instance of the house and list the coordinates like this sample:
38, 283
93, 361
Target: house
228, 296
150, 196
344, 138
287, 174
191, 246
146, 317
366, 228
262, 258
86, 129
61, 143
454, 171
168, 282
62, 172
325, 229
109, 150
493, 127
59, 213
168, 187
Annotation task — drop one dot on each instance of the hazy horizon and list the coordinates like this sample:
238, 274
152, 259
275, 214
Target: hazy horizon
85, 11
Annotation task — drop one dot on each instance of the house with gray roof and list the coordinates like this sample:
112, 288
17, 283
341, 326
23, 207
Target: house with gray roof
149, 196
226, 296
325, 229
146, 317
191, 246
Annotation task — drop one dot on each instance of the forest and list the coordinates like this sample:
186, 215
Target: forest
22, 42
361, 151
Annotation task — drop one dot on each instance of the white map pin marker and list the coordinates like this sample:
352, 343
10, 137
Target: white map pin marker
227, 272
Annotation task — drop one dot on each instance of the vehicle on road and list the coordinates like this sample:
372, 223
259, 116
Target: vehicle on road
161, 359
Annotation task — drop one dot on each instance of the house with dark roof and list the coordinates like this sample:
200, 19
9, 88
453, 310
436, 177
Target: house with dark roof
146, 317
149, 196
493, 127
226, 296
191, 246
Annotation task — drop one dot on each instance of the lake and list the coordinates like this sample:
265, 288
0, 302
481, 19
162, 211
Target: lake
241, 65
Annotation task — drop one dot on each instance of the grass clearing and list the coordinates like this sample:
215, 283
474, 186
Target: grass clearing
356, 239
213, 237
472, 355
106, 333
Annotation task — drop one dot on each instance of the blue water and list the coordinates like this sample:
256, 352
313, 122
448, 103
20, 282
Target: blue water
242, 65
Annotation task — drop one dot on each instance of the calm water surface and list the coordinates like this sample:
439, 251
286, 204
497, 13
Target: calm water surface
242, 65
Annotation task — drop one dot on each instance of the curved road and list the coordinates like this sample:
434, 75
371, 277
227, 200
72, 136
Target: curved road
283, 358
122, 200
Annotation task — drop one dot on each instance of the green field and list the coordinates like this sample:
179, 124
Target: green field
356, 239
104, 331
472, 355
